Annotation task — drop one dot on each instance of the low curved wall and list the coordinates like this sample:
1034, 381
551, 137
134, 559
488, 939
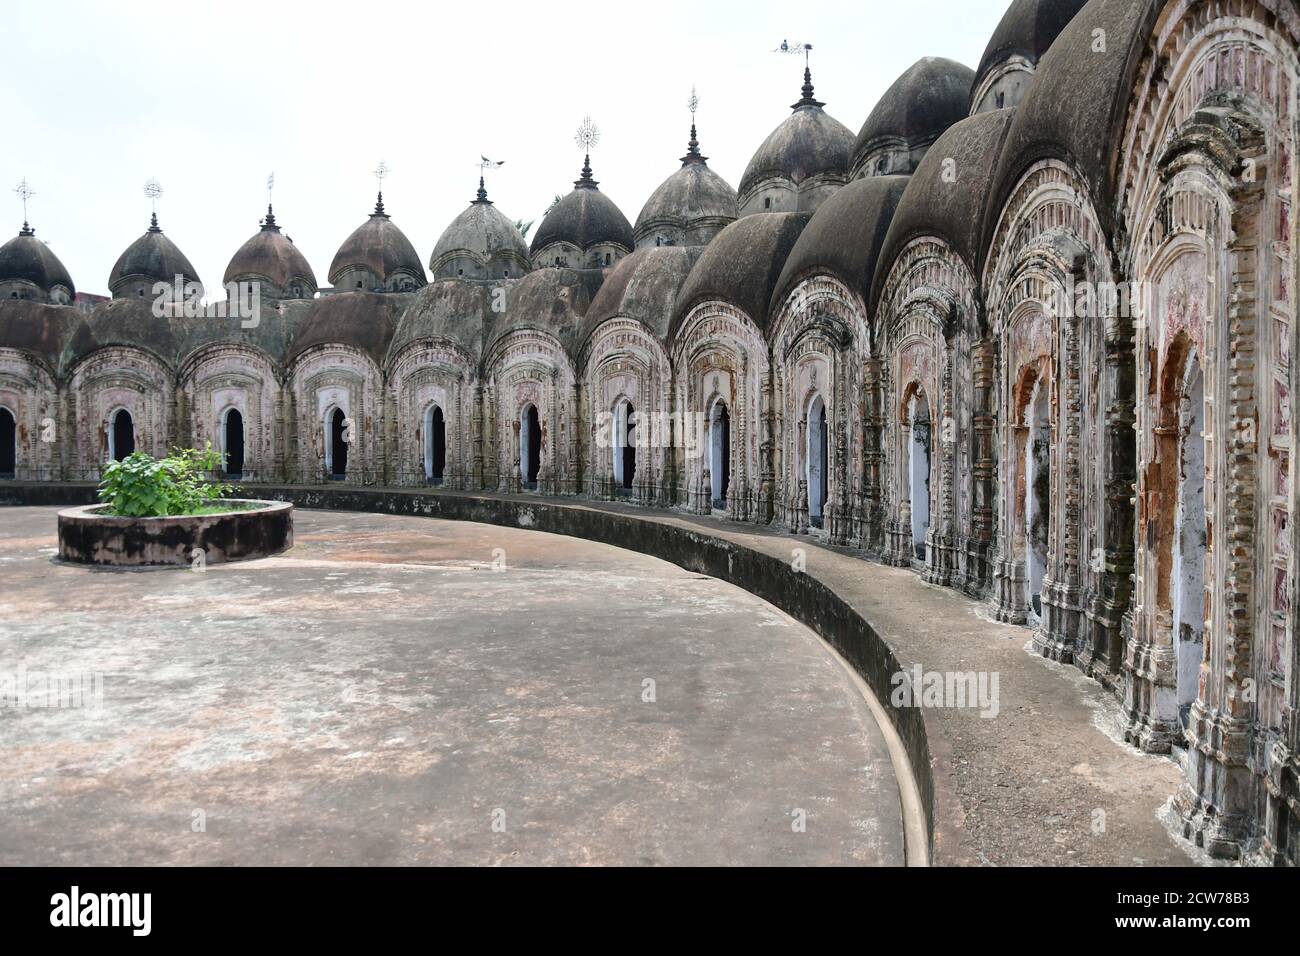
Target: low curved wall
87, 536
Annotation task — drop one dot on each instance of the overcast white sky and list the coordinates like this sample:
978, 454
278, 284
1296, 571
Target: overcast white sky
210, 98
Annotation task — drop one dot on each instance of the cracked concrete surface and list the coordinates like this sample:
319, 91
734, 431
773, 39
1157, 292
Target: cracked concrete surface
380, 695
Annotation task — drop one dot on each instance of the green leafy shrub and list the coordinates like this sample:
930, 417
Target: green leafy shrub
141, 486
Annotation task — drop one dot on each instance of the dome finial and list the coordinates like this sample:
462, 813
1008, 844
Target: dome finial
585, 181
268, 224
153, 189
484, 164
24, 193
693, 146
380, 173
587, 137
806, 50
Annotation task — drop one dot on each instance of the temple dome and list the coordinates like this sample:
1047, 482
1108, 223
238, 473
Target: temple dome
584, 229
39, 328
552, 301
29, 270
801, 162
127, 321
690, 207
844, 237
643, 287
377, 256
480, 243
150, 259
931, 95
742, 266
933, 206
457, 310
1024, 34
270, 257
1098, 86
364, 321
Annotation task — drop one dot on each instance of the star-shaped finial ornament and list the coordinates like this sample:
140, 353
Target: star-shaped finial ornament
24, 192
153, 189
588, 135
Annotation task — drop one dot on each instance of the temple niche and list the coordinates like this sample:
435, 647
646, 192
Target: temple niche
1031, 336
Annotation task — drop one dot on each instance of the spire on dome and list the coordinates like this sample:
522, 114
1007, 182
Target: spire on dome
25, 192
807, 90
806, 49
380, 173
268, 224
153, 189
482, 193
693, 146
587, 137
585, 181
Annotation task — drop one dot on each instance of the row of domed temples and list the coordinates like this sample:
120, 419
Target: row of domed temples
1032, 334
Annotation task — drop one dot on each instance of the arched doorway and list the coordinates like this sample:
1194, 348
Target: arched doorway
719, 453
1038, 493
624, 446
435, 445
336, 445
817, 471
121, 435
8, 443
232, 442
530, 446
1189, 541
919, 444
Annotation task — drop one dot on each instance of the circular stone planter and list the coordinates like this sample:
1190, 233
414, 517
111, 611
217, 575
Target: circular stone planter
88, 536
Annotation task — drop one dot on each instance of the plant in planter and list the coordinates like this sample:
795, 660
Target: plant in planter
141, 486
170, 511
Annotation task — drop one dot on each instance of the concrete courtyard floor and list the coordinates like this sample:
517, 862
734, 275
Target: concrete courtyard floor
381, 695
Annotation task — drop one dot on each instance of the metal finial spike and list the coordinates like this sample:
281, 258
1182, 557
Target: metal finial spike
693, 145
25, 192
482, 192
587, 137
153, 189
806, 50
269, 222
153, 223
381, 173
